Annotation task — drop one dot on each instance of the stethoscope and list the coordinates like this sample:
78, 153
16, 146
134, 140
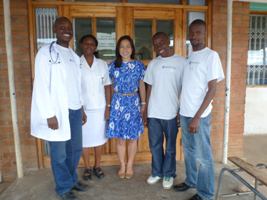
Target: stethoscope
51, 48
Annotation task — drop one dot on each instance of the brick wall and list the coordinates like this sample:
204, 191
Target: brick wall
22, 73
238, 79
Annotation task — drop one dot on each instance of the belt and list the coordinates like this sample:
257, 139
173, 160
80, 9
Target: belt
126, 94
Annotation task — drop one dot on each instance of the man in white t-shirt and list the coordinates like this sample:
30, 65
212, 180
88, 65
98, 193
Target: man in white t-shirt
57, 114
201, 75
164, 81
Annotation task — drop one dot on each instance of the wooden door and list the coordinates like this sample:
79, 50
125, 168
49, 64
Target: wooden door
108, 23
129, 20
143, 24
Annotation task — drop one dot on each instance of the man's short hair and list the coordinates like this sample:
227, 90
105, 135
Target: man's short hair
160, 34
59, 19
198, 22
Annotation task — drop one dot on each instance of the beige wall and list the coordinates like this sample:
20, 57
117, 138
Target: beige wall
255, 110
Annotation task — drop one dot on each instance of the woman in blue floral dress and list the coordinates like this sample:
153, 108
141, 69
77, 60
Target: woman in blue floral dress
128, 103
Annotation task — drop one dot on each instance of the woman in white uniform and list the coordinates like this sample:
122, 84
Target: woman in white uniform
96, 102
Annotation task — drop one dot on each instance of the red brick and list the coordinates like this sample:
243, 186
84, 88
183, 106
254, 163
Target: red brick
23, 85
238, 72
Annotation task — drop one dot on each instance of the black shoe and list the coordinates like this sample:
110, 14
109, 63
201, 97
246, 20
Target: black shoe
68, 196
196, 197
87, 174
98, 172
181, 187
80, 187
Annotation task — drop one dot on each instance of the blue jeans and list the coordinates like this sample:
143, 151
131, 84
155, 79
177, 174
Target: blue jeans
163, 165
198, 157
65, 155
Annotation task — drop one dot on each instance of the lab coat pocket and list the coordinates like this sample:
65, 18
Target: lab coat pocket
100, 85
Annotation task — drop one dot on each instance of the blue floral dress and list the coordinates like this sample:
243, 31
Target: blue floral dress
125, 120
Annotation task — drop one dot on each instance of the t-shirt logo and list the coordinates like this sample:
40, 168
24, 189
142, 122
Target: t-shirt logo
193, 64
168, 67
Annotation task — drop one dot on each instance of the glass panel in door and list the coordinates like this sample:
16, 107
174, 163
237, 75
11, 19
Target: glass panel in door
143, 39
155, 1
81, 27
106, 37
166, 26
197, 2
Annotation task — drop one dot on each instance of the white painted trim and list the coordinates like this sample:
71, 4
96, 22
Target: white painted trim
12, 92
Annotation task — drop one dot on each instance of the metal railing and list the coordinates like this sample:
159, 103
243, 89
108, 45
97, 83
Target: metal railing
234, 172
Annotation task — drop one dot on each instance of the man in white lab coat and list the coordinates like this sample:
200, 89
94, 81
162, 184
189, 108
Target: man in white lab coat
57, 114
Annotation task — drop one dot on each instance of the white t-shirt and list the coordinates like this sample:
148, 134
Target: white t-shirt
94, 79
165, 77
73, 79
202, 66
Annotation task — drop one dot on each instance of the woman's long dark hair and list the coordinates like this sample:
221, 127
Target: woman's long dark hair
118, 59
94, 39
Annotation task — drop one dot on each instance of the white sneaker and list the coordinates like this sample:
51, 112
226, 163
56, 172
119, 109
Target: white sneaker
167, 182
153, 179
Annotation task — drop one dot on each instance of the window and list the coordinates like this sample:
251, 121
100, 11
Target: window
106, 37
81, 26
45, 18
143, 36
97, 0
197, 2
155, 1
105, 34
166, 26
257, 59
143, 41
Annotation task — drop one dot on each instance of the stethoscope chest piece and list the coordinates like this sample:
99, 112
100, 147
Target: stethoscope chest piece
51, 60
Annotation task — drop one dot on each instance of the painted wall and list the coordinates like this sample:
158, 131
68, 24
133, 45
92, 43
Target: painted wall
256, 98
258, 6
256, 111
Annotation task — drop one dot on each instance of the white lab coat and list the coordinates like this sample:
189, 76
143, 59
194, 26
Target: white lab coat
50, 96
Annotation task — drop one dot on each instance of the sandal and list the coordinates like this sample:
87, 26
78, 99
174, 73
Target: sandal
87, 174
121, 175
98, 172
129, 175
